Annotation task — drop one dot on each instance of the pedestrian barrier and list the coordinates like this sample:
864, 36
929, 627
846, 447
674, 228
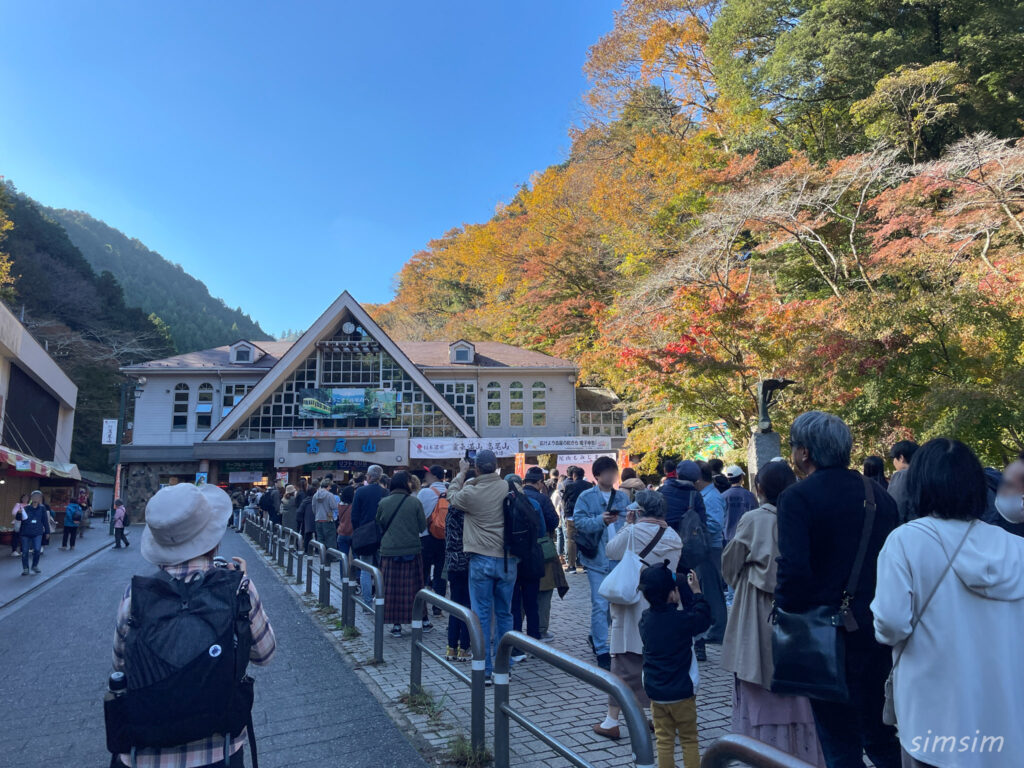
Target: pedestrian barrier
475, 680
748, 751
639, 734
281, 539
341, 557
376, 608
322, 597
294, 543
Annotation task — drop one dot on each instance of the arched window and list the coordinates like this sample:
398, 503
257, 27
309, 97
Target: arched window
539, 403
515, 404
204, 407
494, 404
179, 410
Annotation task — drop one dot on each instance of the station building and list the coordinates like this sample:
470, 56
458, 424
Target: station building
344, 396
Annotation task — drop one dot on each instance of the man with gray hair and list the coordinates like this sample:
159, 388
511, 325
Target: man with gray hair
821, 521
364, 510
492, 575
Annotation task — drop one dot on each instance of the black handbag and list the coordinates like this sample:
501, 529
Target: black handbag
367, 537
808, 648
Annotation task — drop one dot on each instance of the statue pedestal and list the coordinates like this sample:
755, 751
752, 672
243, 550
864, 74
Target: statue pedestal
763, 447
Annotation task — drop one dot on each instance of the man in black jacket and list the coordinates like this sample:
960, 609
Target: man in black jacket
680, 491
364, 510
821, 520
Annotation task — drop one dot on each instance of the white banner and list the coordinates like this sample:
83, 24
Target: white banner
565, 444
245, 477
109, 432
456, 447
581, 459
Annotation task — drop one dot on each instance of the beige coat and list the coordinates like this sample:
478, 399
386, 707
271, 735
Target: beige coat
625, 633
482, 499
748, 565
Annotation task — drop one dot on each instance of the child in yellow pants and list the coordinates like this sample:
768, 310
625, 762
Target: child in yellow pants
667, 629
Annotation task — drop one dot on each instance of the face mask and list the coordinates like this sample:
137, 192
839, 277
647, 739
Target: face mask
1011, 507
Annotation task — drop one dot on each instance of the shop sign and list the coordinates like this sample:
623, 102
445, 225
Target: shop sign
324, 433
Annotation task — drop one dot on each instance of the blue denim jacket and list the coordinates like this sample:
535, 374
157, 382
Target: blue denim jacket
588, 514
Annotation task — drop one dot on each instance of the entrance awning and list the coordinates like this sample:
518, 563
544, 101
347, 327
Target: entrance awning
22, 462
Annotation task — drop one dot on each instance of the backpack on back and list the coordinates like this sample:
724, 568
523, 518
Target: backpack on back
186, 655
438, 516
521, 534
694, 534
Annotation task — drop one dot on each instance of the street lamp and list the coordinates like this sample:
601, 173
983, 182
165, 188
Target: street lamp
135, 387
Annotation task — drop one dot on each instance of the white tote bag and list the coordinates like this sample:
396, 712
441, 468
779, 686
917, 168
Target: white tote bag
622, 585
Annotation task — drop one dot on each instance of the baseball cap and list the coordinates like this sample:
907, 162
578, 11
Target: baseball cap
688, 470
436, 470
733, 471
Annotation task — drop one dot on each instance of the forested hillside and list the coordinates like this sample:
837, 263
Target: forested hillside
81, 316
829, 191
194, 319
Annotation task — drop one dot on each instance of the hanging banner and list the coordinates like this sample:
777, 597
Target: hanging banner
520, 464
245, 477
624, 459
109, 436
579, 444
583, 460
456, 447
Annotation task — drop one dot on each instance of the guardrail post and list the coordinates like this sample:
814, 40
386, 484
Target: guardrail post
416, 664
347, 614
282, 542
290, 568
378, 624
748, 751
502, 665
300, 554
309, 575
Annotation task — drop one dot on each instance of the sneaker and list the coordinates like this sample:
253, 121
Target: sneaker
547, 637
465, 654
36, 570
451, 654
24, 571
367, 611
436, 611
570, 569
427, 626
15, 554
396, 631
517, 657
63, 549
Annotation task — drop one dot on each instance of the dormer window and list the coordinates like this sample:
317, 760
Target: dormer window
243, 353
462, 353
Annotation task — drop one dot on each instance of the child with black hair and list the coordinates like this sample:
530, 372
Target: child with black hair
667, 629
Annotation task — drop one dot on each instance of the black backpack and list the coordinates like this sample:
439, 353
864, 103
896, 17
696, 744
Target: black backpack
186, 655
694, 533
521, 534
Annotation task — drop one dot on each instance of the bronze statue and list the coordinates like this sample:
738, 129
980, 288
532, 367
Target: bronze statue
766, 390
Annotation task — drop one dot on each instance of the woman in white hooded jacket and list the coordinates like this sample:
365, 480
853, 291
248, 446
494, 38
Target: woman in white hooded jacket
950, 600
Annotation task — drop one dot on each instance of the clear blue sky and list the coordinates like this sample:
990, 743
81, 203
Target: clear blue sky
282, 152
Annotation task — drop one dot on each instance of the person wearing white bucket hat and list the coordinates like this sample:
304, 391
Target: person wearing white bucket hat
184, 528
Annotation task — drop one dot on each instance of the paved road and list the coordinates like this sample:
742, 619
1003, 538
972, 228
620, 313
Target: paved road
56, 644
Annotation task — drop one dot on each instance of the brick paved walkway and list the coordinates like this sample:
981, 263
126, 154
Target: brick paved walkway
558, 703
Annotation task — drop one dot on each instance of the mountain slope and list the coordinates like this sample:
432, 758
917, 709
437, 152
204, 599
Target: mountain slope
79, 315
195, 319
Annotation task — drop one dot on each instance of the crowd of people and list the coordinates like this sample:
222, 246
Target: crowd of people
718, 560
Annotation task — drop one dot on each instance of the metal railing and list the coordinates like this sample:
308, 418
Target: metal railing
748, 751
325, 575
376, 608
639, 734
324, 593
475, 680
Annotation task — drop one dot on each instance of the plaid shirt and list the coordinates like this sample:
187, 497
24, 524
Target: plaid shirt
211, 749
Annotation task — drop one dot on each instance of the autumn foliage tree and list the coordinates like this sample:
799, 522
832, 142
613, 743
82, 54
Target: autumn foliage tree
723, 217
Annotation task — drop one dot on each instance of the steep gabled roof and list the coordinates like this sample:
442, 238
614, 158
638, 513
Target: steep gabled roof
306, 345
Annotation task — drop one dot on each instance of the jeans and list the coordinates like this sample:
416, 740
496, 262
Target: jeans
848, 730
560, 540
490, 593
524, 600
598, 612
326, 533
366, 580
344, 546
236, 518
433, 556
33, 543
458, 632
70, 532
